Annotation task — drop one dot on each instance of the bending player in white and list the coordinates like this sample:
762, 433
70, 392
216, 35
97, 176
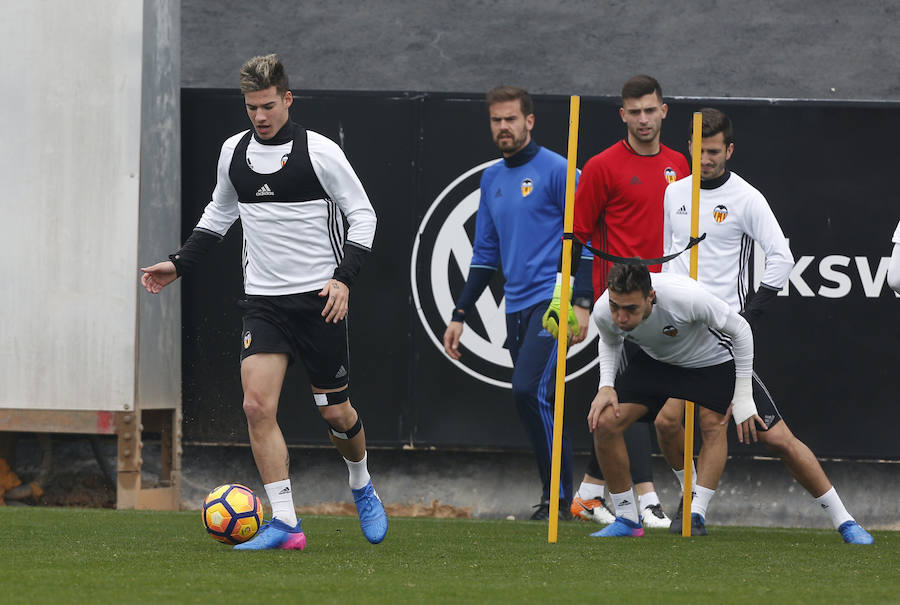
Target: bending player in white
733, 214
691, 345
893, 275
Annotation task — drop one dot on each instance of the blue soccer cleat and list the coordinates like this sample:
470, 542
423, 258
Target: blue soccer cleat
853, 533
276, 534
620, 528
698, 525
372, 518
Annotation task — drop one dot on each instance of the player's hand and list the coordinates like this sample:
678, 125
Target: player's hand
747, 429
451, 339
550, 320
606, 397
584, 316
338, 300
158, 276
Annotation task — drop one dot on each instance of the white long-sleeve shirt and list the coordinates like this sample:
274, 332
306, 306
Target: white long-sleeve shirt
732, 215
688, 327
290, 202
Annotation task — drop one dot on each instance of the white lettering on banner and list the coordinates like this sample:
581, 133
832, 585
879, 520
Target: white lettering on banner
839, 282
826, 270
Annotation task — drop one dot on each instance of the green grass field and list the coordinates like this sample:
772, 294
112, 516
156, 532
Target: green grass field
52, 555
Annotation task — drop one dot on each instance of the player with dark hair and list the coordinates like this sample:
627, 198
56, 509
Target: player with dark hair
732, 215
619, 208
691, 345
290, 187
518, 226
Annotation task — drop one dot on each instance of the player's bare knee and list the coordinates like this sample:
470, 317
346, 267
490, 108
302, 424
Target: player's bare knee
666, 426
339, 416
257, 410
778, 442
713, 432
608, 426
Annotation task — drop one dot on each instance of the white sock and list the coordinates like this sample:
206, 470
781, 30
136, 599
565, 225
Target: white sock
700, 499
648, 499
591, 491
680, 476
625, 505
282, 500
832, 504
359, 472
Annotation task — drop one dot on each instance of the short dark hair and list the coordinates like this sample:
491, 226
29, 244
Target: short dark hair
260, 73
624, 278
500, 94
638, 86
714, 122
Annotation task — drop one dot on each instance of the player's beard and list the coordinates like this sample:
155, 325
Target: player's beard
513, 143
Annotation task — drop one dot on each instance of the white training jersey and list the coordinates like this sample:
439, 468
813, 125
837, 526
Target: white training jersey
686, 327
292, 241
732, 215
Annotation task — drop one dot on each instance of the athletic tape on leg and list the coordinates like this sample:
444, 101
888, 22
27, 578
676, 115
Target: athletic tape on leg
349, 433
333, 398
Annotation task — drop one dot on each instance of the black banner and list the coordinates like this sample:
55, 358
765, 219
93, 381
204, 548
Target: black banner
825, 350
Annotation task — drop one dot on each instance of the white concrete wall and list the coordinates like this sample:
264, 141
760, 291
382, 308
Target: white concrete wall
69, 168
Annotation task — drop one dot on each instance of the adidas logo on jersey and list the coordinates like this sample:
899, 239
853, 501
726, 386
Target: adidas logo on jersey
681, 210
635, 180
264, 190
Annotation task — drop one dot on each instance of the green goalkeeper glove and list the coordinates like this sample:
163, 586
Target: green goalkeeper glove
551, 315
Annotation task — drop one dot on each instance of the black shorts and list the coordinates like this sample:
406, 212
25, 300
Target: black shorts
649, 382
293, 324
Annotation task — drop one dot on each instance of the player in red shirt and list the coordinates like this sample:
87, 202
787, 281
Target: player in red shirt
619, 208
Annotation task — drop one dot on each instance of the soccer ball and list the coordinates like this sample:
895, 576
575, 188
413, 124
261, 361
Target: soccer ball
232, 513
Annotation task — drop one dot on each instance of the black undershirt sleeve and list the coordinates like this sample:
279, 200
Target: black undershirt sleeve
476, 282
758, 303
354, 257
198, 244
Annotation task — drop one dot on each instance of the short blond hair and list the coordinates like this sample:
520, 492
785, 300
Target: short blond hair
262, 72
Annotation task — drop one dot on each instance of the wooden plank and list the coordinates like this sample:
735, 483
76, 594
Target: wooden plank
58, 421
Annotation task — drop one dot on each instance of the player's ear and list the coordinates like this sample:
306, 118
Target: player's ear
622, 113
288, 98
664, 110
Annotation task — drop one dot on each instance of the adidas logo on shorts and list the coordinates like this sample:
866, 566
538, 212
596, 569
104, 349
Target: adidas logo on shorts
341, 373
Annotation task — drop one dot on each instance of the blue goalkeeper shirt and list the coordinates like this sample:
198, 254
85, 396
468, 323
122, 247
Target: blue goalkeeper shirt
520, 223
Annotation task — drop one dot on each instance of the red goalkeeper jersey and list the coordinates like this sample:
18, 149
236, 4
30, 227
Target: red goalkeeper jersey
619, 203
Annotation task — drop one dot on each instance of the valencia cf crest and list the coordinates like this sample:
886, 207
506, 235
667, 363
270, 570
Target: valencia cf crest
284, 159
671, 176
670, 331
527, 187
719, 213
248, 338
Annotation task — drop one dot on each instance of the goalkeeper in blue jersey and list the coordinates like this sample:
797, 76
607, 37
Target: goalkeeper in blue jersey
519, 226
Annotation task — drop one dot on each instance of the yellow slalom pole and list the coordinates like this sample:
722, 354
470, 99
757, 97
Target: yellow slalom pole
563, 339
696, 142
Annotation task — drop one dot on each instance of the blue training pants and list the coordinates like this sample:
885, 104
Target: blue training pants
533, 352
